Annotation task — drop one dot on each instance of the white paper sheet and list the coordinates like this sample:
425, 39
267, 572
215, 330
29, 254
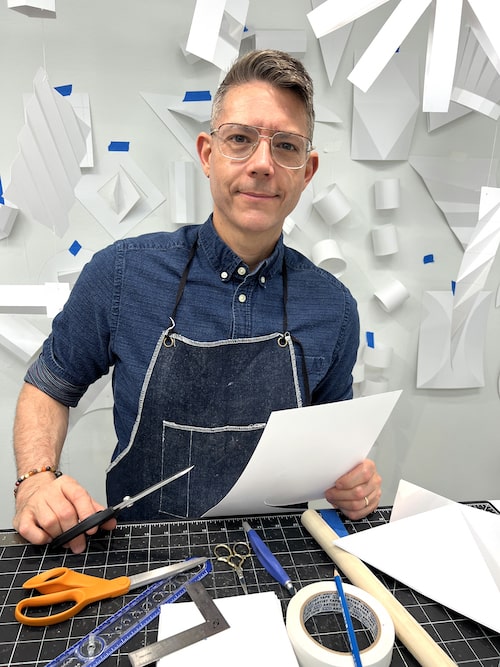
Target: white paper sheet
257, 633
302, 451
442, 549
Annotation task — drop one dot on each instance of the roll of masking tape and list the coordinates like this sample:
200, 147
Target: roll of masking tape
322, 598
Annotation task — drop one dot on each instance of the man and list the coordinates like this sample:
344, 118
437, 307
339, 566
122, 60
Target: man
208, 329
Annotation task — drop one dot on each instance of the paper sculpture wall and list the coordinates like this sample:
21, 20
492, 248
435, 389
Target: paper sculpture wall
443, 39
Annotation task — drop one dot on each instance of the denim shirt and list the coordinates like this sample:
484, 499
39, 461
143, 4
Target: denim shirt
123, 299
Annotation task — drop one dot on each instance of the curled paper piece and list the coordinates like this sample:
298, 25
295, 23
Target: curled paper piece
379, 356
392, 295
328, 256
385, 240
8, 215
331, 204
387, 193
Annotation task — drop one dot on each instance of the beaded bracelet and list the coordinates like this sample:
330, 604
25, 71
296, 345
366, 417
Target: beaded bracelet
35, 471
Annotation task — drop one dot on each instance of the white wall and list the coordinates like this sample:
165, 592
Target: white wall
444, 440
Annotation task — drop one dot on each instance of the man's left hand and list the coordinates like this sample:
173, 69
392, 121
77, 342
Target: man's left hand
357, 493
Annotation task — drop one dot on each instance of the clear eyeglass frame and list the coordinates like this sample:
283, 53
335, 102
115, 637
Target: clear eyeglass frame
238, 142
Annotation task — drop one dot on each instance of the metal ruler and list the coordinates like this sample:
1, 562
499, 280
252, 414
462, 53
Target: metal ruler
113, 633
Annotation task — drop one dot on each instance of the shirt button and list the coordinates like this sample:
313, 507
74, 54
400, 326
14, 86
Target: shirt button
242, 298
262, 280
241, 271
224, 275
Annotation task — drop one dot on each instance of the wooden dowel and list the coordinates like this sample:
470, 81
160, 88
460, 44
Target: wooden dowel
418, 642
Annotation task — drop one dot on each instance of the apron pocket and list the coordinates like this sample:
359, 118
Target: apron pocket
219, 456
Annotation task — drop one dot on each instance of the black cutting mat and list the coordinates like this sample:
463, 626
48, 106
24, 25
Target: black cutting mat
133, 548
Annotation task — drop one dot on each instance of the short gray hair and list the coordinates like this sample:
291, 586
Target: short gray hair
277, 68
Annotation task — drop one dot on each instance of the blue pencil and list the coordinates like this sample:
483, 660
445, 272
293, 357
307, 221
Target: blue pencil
348, 621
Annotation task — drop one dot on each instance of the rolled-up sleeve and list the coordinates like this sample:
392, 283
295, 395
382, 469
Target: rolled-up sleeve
79, 349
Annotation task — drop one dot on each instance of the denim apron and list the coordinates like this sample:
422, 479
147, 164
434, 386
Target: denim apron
204, 404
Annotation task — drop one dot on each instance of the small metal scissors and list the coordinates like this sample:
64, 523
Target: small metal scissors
62, 585
235, 557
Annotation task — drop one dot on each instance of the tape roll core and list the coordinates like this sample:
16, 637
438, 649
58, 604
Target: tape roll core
322, 598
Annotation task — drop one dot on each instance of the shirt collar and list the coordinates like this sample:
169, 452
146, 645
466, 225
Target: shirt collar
226, 262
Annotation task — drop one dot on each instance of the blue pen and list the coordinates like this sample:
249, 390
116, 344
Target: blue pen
268, 560
348, 621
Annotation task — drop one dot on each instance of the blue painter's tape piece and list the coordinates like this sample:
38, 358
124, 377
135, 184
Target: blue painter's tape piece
428, 259
370, 339
453, 286
2, 200
75, 248
197, 96
334, 521
119, 146
65, 91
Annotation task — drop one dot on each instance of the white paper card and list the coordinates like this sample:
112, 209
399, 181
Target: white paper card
256, 623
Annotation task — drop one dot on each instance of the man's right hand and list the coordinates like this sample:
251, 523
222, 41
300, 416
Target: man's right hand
46, 507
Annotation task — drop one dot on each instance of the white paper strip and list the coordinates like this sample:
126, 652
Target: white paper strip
385, 240
442, 48
387, 42
48, 298
334, 14
387, 193
476, 102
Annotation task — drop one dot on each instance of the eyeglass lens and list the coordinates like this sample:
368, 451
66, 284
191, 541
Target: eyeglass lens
238, 142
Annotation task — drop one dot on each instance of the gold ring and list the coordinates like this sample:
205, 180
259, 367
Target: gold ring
366, 502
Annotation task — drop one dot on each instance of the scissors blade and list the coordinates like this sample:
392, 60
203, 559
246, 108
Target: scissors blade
129, 501
143, 578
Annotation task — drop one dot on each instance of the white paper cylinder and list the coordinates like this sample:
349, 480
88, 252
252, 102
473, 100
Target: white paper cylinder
385, 240
328, 256
392, 295
331, 204
387, 193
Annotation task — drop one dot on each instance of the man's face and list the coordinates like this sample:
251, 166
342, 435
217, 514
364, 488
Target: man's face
255, 195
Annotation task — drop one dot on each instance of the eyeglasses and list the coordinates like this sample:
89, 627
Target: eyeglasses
238, 142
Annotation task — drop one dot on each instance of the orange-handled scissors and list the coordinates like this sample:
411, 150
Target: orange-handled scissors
62, 585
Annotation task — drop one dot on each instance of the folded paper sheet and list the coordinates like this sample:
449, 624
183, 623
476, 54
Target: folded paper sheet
302, 451
257, 633
46, 170
440, 548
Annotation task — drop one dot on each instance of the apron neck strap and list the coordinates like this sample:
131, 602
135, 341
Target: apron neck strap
284, 271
